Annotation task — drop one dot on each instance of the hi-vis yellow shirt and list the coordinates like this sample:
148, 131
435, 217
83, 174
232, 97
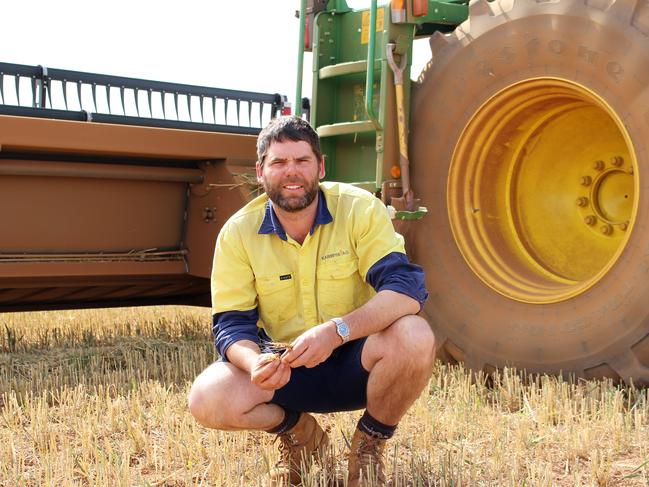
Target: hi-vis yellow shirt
296, 287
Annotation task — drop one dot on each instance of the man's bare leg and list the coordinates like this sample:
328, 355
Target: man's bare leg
222, 397
400, 361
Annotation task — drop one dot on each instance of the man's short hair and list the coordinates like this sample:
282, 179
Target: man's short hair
285, 128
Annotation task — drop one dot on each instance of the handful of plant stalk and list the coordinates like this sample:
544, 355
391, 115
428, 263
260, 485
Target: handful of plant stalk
275, 351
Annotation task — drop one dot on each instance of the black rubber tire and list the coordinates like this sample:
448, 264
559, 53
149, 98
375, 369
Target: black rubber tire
603, 332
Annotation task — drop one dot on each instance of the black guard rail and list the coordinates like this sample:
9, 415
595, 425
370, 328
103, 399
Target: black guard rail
37, 91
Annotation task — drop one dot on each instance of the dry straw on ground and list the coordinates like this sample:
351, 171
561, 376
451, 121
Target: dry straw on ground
98, 398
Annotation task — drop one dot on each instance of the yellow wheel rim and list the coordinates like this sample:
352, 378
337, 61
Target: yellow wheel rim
543, 190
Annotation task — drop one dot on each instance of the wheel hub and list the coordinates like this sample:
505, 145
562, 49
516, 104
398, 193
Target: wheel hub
611, 197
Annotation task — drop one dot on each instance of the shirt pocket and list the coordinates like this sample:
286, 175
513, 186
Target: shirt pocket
277, 301
338, 285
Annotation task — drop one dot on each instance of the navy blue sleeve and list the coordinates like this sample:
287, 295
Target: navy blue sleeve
396, 273
231, 326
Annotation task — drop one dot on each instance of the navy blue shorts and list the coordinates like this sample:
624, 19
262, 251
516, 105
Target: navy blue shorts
337, 384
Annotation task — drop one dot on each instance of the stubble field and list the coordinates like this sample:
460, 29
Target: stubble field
98, 398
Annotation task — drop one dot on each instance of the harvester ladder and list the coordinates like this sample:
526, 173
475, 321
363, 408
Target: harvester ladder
351, 91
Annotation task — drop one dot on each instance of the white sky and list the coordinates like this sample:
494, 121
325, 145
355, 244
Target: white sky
240, 44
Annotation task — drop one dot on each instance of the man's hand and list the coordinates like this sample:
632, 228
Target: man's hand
313, 347
269, 373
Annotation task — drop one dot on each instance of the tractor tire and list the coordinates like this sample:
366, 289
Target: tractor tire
528, 145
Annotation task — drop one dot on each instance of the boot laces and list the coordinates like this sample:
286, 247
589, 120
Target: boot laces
370, 454
287, 442
370, 450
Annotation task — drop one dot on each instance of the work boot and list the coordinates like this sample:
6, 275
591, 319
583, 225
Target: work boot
366, 460
297, 446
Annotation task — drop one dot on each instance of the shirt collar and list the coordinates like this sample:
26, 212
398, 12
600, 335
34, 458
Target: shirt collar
271, 223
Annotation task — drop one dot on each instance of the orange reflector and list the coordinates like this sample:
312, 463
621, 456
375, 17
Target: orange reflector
419, 8
307, 33
395, 172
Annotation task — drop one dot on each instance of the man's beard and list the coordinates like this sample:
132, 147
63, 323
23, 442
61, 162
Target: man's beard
293, 203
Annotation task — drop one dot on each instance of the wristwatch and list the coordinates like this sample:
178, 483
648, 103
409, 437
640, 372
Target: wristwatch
342, 328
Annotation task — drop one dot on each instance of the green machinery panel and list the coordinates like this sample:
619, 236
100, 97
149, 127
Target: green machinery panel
355, 148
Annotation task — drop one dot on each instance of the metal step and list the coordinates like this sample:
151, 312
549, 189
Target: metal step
343, 69
345, 128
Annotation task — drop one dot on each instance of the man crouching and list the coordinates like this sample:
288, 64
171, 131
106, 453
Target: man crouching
317, 265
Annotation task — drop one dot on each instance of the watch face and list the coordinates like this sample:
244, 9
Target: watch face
343, 329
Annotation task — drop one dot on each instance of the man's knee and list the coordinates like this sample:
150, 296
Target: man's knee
409, 341
207, 401
201, 403
412, 336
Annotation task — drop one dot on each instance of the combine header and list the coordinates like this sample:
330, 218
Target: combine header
112, 190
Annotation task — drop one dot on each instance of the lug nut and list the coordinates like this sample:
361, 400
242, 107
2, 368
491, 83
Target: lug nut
582, 201
590, 220
617, 161
624, 226
586, 180
606, 229
598, 165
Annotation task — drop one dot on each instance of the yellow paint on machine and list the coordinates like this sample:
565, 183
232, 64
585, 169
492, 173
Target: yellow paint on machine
365, 24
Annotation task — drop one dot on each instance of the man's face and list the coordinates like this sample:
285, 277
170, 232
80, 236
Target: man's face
290, 174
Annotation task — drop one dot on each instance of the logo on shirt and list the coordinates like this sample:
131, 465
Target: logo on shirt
340, 253
285, 277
